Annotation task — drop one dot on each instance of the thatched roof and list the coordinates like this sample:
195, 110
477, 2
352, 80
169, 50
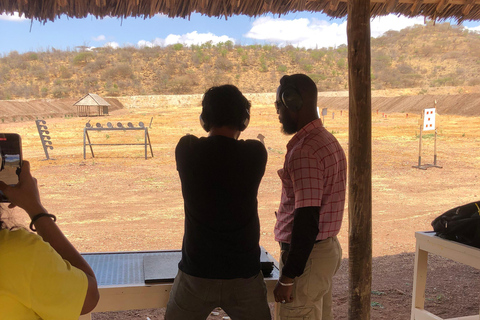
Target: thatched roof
91, 99
44, 10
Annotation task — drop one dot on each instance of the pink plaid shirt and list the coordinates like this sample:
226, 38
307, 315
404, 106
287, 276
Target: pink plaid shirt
313, 175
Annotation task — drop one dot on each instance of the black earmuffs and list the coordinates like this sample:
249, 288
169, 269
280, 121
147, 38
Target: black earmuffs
291, 98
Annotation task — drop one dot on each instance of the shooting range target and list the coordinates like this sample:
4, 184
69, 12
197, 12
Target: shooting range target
429, 119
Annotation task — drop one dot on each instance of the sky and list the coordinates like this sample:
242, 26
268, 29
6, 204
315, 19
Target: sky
301, 29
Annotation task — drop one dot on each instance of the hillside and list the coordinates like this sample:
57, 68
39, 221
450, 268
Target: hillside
420, 57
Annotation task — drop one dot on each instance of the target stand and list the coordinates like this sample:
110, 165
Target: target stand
120, 127
427, 123
44, 137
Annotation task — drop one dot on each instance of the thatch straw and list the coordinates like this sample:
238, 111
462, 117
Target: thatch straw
44, 10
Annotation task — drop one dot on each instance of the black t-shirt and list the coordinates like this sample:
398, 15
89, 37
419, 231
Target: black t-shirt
220, 177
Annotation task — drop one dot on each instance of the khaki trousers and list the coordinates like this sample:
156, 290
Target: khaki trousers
312, 291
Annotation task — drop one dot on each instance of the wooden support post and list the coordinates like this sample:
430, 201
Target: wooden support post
420, 147
359, 160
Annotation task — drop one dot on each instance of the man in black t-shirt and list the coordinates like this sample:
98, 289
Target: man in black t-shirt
220, 176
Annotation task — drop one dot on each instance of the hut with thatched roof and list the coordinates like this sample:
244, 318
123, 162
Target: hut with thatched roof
91, 105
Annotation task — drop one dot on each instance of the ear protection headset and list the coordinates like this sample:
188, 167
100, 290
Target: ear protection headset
291, 98
204, 120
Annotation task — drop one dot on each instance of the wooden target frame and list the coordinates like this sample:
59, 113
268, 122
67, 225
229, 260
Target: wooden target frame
120, 127
427, 122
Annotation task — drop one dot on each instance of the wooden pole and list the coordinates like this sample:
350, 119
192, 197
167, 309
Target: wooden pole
359, 160
420, 147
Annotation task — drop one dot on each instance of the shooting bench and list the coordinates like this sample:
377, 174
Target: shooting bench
143, 280
427, 242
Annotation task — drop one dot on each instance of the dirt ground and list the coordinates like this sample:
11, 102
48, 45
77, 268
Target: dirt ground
118, 201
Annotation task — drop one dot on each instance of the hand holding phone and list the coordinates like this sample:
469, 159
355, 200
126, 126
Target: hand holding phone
25, 193
10, 160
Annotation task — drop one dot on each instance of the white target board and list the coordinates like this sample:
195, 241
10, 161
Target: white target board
324, 111
429, 119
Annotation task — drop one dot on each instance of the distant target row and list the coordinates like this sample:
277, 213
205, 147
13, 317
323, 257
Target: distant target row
119, 125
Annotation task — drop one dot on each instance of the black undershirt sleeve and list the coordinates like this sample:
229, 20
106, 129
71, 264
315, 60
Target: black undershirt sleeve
304, 234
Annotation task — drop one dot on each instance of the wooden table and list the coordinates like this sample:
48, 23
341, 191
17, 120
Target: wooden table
427, 242
121, 279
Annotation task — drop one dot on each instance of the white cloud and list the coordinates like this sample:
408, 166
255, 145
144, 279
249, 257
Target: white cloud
112, 44
380, 25
12, 17
155, 43
188, 39
313, 33
196, 38
99, 38
476, 29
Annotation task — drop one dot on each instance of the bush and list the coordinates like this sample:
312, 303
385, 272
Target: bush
178, 46
65, 73
121, 71
59, 92
282, 68
223, 64
32, 56
97, 65
341, 64
82, 58
182, 84
39, 73
263, 64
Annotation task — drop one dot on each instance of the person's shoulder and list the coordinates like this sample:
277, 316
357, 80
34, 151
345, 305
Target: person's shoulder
188, 138
21, 241
187, 141
18, 236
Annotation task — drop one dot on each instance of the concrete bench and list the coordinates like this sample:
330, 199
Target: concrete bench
127, 281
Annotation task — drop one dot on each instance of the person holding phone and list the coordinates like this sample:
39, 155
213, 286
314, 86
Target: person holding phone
42, 276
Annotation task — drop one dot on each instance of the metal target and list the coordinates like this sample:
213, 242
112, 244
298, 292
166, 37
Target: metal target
44, 136
110, 127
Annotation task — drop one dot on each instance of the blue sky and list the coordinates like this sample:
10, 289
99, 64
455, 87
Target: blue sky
303, 29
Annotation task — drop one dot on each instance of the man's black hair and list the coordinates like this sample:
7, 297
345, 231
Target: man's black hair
225, 106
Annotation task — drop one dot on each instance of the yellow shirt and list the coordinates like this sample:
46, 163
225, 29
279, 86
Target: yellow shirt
35, 282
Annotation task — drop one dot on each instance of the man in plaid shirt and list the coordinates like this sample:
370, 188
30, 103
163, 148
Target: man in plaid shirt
312, 203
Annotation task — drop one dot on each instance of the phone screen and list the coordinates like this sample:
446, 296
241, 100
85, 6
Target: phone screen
11, 159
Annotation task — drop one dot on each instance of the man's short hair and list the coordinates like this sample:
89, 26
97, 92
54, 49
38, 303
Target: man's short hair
225, 106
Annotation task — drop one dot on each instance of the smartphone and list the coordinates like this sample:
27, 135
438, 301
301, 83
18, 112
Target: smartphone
11, 160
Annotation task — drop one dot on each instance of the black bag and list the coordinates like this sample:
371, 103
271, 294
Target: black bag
460, 224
